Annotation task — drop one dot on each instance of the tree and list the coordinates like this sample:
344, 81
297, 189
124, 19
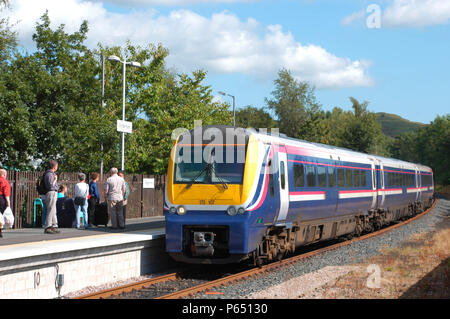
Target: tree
179, 100
359, 130
16, 139
295, 106
54, 97
251, 116
428, 146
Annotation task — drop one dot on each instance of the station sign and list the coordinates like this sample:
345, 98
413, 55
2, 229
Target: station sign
148, 183
124, 126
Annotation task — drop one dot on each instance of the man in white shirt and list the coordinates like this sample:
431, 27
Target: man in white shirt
114, 189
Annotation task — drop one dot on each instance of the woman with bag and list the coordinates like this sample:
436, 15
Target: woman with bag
94, 199
5, 193
81, 203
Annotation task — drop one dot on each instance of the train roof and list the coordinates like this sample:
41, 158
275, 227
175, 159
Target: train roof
343, 151
323, 150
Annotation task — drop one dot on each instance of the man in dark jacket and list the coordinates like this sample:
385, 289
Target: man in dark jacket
51, 195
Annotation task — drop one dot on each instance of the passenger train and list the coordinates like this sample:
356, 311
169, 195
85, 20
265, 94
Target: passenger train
235, 194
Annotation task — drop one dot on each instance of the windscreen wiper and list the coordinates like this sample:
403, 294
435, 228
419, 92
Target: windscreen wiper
206, 168
224, 184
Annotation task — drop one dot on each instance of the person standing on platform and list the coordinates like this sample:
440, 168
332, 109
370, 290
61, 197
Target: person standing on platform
51, 186
114, 189
125, 197
94, 198
62, 190
5, 193
81, 201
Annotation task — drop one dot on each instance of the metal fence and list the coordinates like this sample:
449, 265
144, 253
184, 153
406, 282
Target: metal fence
142, 202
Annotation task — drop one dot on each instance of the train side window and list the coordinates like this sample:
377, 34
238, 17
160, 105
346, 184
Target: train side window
271, 185
363, 178
282, 177
299, 175
331, 177
322, 175
348, 177
341, 178
310, 176
356, 181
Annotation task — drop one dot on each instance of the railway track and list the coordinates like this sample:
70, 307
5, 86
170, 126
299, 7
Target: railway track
170, 286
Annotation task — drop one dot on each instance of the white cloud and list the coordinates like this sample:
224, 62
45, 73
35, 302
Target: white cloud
409, 13
221, 43
169, 2
416, 13
353, 17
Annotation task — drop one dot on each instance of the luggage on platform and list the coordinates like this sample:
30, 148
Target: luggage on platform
65, 212
101, 214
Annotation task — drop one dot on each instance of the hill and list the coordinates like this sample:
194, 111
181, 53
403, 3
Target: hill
393, 125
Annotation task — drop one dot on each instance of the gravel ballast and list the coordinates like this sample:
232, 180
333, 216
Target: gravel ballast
356, 252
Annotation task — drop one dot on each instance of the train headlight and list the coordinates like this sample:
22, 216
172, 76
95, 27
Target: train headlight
231, 211
241, 210
173, 210
181, 210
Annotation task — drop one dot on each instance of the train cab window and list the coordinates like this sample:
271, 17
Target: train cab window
341, 177
271, 185
310, 176
348, 177
282, 175
322, 176
331, 176
299, 175
356, 181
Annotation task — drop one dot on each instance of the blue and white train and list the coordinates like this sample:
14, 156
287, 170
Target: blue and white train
258, 196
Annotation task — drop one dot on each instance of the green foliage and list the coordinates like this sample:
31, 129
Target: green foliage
251, 116
51, 103
295, 106
359, 130
429, 146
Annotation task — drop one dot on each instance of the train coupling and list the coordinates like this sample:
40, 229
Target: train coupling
203, 244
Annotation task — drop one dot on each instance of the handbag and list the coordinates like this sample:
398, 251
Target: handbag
80, 201
2, 220
8, 217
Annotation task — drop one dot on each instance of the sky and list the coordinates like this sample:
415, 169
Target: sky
392, 53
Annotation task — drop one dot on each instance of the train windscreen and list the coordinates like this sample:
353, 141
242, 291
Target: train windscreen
209, 164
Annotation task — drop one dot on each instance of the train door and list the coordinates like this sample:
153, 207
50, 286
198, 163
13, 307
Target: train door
283, 183
373, 176
418, 182
380, 186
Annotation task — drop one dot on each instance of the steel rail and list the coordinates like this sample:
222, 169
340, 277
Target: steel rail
130, 287
257, 271
242, 275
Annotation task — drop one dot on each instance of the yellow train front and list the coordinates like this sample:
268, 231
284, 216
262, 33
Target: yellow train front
211, 181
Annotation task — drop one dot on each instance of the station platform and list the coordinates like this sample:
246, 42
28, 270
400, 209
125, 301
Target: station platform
38, 265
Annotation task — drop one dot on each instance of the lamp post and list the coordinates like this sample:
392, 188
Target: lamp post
124, 64
234, 105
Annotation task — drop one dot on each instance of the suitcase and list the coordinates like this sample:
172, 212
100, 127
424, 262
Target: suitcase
65, 212
101, 214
